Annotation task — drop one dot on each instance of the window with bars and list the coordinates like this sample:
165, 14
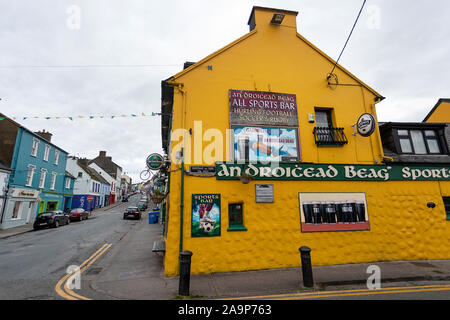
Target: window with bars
235, 217
325, 134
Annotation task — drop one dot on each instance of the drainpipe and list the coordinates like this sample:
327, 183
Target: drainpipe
182, 200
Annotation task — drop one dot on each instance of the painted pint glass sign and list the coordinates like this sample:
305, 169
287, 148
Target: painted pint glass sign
263, 108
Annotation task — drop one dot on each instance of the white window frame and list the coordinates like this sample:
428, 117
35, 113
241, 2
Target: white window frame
19, 211
42, 180
52, 185
67, 183
30, 175
46, 152
35, 147
56, 157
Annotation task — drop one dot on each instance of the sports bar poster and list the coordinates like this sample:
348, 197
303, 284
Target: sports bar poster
265, 144
333, 212
205, 215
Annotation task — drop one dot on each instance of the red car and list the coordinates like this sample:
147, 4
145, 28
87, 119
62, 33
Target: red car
78, 214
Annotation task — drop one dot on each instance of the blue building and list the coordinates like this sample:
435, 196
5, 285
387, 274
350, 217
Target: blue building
38, 181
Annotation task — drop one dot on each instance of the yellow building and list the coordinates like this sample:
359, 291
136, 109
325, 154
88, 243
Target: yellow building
270, 152
440, 112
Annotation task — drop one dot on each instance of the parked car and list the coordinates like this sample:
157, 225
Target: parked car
132, 211
142, 205
125, 199
52, 219
78, 214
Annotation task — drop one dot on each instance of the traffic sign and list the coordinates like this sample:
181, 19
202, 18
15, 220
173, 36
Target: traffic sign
90, 198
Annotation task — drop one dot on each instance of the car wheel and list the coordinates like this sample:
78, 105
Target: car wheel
35, 228
81, 217
68, 221
56, 224
124, 217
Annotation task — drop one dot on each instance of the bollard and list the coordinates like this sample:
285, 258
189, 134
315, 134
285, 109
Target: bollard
185, 273
305, 254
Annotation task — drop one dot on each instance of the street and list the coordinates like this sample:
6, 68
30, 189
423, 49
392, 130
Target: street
34, 262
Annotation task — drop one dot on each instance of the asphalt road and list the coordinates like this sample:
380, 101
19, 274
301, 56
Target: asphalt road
32, 263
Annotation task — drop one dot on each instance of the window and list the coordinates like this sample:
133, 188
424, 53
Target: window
67, 183
46, 152
235, 217
56, 157
30, 176
17, 211
447, 206
419, 141
34, 149
42, 180
52, 185
325, 134
80, 174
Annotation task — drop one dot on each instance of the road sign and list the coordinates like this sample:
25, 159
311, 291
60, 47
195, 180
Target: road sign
90, 198
155, 161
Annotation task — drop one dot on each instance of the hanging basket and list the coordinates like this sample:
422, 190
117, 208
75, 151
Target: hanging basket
157, 198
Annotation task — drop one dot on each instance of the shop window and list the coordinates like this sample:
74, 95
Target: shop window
419, 142
447, 206
325, 134
17, 210
235, 217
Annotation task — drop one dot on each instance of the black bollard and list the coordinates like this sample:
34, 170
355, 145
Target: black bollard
305, 254
185, 273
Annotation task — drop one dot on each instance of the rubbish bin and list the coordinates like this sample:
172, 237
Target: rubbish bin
152, 217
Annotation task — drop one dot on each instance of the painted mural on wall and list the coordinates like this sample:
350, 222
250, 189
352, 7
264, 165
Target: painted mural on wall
205, 215
333, 212
265, 144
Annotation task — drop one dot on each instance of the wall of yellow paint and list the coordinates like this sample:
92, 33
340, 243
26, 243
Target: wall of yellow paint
277, 59
441, 114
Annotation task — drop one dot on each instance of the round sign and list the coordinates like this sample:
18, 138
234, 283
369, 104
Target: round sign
90, 198
366, 124
155, 161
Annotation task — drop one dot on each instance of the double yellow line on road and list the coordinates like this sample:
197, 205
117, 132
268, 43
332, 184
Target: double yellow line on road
62, 287
347, 293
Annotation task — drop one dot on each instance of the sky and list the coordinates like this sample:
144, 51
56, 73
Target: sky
108, 57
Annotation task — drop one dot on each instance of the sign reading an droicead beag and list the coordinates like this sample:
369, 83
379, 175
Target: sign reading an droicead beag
336, 172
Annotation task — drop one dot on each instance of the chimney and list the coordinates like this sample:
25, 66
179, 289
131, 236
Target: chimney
83, 162
45, 135
270, 18
102, 154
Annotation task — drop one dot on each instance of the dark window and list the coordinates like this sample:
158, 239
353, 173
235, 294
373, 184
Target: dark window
235, 217
80, 174
447, 206
324, 132
419, 141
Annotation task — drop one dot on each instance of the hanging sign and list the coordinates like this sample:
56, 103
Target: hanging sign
366, 124
155, 161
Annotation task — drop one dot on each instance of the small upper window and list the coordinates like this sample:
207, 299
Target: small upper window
56, 157
46, 152
34, 148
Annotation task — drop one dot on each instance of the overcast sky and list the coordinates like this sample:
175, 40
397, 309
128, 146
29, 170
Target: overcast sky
400, 48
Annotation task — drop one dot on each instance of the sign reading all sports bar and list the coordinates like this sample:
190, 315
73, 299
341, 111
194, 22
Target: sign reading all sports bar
263, 108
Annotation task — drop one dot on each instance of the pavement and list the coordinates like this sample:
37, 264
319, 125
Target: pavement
133, 271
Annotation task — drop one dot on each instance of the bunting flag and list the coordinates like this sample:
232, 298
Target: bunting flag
71, 118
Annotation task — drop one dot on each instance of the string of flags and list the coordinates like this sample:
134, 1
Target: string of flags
72, 118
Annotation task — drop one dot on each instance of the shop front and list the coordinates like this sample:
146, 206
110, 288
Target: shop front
20, 207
